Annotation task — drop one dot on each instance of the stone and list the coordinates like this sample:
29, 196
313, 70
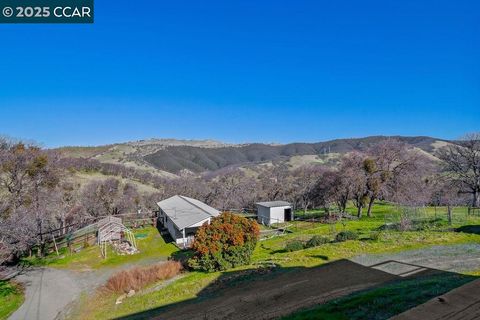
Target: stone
120, 299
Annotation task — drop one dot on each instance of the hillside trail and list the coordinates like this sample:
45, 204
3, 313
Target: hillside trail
50, 292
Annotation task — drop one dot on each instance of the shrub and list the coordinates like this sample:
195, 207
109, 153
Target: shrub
227, 242
140, 277
346, 235
316, 241
375, 235
294, 245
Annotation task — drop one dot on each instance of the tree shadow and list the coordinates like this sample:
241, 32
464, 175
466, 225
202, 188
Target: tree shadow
320, 256
475, 229
272, 292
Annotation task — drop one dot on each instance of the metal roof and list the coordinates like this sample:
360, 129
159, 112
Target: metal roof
272, 204
185, 211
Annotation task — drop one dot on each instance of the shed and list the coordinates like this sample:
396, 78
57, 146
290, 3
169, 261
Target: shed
182, 216
271, 212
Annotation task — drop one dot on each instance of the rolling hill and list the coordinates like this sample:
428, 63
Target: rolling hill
168, 157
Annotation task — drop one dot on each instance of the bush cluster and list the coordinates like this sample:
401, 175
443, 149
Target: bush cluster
316, 241
227, 242
139, 277
294, 245
346, 235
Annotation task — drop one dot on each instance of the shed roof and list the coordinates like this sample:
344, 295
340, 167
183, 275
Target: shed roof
185, 211
272, 204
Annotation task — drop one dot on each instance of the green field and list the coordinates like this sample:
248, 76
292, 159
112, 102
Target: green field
11, 298
431, 229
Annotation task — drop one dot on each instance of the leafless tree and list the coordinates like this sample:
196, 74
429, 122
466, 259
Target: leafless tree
326, 192
461, 165
352, 169
305, 180
390, 166
27, 177
275, 182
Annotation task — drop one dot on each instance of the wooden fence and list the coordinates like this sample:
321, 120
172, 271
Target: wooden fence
87, 236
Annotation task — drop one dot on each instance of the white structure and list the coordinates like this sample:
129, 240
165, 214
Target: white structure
274, 212
111, 229
182, 216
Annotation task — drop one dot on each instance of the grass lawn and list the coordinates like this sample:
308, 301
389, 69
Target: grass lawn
150, 244
269, 251
384, 302
11, 298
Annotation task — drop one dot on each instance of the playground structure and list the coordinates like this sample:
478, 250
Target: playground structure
111, 231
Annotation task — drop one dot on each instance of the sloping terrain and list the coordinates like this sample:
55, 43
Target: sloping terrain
273, 295
168, 156
197, 159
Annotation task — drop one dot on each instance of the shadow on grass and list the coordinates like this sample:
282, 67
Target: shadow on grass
277, 291
475, 229
319, 256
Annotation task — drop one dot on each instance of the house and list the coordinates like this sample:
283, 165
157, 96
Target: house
182, 216
274, 212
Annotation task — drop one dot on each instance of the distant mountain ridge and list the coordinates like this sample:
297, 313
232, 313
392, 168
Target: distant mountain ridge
171, 156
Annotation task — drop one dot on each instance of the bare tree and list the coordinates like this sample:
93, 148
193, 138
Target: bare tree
305, 181
325, 191
27, 177
386, 165
275, 182
461, 165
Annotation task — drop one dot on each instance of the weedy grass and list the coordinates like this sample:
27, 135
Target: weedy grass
140, 277
11, 298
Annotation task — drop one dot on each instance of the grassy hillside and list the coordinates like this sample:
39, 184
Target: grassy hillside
195, 159
168, 157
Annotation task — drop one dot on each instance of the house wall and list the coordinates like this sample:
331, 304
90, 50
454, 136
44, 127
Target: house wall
263, 215
271, 215
176, 234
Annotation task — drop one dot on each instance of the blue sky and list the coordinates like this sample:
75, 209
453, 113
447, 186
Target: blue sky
239, 71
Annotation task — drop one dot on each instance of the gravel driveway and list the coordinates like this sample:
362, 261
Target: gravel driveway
48, 291
454, 258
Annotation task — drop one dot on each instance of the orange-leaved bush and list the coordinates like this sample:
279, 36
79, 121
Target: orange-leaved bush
227, 242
